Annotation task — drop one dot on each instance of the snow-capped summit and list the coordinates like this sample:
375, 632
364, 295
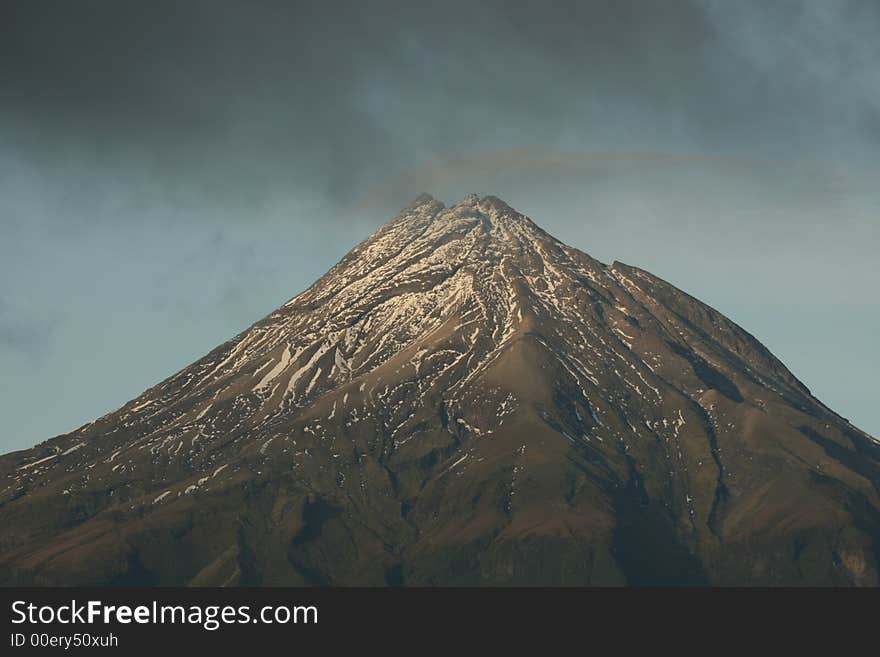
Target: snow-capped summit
462, 399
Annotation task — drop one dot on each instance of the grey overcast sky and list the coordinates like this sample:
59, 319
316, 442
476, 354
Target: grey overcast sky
172, 171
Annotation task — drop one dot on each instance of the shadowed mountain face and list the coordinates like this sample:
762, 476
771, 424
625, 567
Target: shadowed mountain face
461, 400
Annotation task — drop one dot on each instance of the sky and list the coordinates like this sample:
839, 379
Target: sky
170, 172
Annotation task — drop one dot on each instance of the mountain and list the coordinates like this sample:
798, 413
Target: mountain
461, 400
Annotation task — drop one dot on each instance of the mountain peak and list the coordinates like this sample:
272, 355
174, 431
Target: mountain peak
462, 399
473, 200
480, 231
470, 200
489, 208
421, 200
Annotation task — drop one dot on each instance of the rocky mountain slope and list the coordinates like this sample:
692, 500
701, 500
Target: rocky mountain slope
461, 400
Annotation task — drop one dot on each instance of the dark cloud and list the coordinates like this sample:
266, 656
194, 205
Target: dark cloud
25, 334
239, 100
